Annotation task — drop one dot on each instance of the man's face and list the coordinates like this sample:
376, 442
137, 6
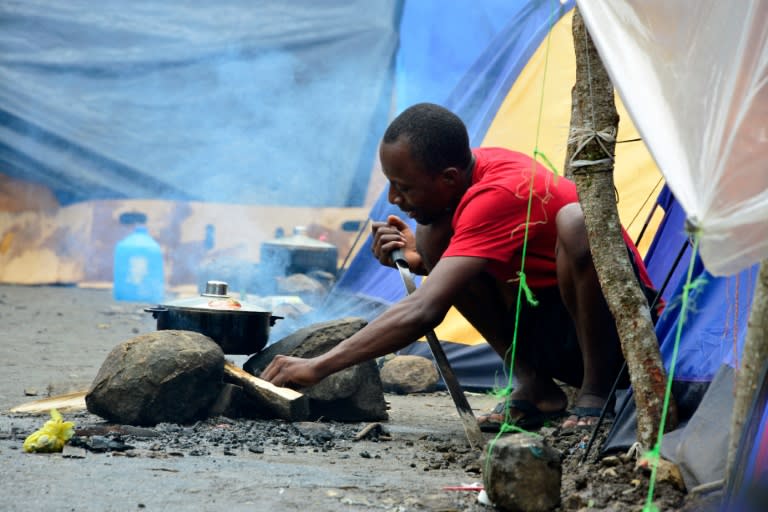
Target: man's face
422, 196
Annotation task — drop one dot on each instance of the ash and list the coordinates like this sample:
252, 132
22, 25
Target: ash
218, 435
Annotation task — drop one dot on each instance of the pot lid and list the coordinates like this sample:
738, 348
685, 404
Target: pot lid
215, 298
299, 239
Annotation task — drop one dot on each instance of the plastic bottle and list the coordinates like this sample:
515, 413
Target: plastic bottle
138, 265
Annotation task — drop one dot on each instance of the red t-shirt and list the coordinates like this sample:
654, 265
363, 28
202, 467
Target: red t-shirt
490, 219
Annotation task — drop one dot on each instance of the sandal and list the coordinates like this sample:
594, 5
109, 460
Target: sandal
531, 417
584, 417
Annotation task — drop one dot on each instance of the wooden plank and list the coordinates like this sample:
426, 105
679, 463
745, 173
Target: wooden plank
68, 402
284, 403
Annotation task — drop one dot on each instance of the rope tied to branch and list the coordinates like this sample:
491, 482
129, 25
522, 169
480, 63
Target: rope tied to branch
582, 136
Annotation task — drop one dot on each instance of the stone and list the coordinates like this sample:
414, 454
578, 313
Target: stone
523, 474
163, 376
666, 471
409, 374
353, 394
309, 341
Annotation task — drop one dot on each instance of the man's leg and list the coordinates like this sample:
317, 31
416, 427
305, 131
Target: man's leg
535, 397
487, 307
584, 300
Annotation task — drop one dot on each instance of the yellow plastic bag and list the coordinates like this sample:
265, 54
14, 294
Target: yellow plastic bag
52, 437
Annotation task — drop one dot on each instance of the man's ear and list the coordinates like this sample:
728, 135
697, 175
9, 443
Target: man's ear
450, 175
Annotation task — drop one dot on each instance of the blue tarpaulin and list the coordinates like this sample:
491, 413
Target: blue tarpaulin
261, 102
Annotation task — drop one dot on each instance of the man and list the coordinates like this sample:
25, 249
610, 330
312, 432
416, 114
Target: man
471, 208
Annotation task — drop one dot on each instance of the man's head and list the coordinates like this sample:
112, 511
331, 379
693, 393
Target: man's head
436, 136
425, 155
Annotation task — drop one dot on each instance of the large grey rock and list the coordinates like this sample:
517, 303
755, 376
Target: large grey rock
523, 474
353, 394
164, 376
409, 374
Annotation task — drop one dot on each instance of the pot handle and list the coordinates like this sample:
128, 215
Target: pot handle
273, 319
156, 310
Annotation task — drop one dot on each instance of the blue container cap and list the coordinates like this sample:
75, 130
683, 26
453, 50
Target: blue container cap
129, 218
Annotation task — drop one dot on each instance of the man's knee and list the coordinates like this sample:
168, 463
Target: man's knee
572, 235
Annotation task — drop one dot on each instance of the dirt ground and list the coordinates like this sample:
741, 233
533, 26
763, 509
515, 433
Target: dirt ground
54, 340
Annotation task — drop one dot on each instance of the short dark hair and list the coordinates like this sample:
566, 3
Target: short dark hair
437, 137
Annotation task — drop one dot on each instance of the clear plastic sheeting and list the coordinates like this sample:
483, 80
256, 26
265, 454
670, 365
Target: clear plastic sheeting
694, 77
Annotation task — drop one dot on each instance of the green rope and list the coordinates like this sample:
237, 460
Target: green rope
654, 454
523, 287
547, 161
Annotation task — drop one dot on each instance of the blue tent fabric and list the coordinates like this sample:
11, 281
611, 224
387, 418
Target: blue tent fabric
478, 96
715, 326
471, 61
231, 101
664, 250
712, 338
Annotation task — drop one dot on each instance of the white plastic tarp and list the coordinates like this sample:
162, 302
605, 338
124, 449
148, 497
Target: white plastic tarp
694, 77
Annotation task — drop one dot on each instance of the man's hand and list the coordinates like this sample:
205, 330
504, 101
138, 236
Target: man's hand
395, 234
292, 372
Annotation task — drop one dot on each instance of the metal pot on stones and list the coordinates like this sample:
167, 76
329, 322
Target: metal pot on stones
238, 327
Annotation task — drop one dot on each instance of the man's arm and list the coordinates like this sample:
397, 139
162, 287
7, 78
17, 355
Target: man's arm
397, 327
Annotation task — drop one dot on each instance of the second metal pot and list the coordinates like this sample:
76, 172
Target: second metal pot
298, 254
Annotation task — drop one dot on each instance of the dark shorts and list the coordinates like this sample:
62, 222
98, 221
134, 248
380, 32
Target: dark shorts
546, 335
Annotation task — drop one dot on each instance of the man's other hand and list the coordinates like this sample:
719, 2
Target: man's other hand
394, 234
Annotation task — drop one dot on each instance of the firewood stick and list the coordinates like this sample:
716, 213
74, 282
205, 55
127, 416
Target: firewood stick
284, 403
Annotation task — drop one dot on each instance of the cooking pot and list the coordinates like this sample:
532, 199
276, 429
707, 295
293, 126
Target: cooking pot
297, 254
239, 328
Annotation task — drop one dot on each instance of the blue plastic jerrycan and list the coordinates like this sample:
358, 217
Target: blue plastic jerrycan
138, 268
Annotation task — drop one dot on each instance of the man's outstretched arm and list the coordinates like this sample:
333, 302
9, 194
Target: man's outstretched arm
400, 325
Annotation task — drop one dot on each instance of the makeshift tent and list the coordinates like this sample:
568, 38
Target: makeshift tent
698, 93
714, 329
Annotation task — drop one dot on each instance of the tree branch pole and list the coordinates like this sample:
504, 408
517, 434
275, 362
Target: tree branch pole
594, 123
